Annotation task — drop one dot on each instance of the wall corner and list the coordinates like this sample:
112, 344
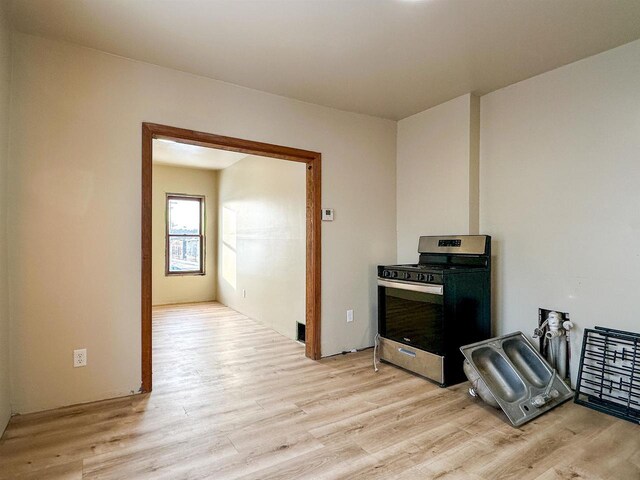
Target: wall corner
474, 164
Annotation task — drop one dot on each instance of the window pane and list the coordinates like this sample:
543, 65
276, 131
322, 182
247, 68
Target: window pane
184, 254
184, 216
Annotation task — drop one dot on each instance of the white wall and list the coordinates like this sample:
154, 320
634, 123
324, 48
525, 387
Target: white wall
74, 199
262, 241
168, 289
5, 73
560, 194
437, 174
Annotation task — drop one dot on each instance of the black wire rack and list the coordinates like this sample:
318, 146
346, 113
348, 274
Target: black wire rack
609, 373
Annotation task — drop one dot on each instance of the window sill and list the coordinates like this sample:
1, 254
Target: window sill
184, 274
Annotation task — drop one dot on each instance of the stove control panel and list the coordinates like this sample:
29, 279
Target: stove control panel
426, 277
410, 276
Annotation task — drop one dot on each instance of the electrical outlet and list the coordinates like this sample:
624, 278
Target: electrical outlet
244, 293
80, 358
349, 315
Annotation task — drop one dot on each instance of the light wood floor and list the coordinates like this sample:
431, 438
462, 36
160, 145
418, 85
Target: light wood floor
233, 399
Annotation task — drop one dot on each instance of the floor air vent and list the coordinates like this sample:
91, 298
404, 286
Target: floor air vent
300, 335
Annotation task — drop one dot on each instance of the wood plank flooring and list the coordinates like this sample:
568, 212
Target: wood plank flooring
235, 400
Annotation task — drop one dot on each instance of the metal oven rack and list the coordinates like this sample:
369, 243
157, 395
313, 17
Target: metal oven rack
609, 373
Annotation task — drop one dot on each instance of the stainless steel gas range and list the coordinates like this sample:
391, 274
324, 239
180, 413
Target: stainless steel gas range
428, 310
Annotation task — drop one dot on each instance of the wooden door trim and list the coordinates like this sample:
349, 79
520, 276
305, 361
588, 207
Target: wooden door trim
313, 251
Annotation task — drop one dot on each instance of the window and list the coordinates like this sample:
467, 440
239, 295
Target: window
185, 237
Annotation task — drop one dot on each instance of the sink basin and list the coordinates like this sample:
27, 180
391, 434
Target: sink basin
501, 378
519, 378
527, 361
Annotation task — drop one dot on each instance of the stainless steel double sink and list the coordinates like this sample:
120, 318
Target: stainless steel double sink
520, 380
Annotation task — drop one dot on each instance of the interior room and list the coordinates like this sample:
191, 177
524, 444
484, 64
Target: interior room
229, 228
228, 262
390, 239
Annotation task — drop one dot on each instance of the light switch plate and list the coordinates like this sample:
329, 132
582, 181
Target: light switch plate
327, 214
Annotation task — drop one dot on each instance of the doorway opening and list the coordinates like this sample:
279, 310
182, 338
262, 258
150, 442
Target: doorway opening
312, 161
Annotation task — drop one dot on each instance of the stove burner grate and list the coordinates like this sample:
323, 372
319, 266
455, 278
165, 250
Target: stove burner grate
609, 373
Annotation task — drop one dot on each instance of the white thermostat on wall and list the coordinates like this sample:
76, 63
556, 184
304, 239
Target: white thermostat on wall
327, 214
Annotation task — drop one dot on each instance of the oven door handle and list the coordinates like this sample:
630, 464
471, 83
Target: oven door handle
414, 287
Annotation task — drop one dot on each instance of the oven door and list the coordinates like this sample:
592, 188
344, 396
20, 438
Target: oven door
412, 314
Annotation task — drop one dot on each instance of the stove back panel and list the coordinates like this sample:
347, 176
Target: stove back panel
470, 251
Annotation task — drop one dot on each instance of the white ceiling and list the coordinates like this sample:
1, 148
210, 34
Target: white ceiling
389, 58
166, 152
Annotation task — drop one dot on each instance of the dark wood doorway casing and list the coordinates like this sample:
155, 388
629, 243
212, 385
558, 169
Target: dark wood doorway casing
313, 270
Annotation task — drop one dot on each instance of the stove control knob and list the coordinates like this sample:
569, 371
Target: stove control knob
386, 273
430, 278
421, 276
407, 276
394, 274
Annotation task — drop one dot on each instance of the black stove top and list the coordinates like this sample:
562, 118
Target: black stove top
440, 257
429, 266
